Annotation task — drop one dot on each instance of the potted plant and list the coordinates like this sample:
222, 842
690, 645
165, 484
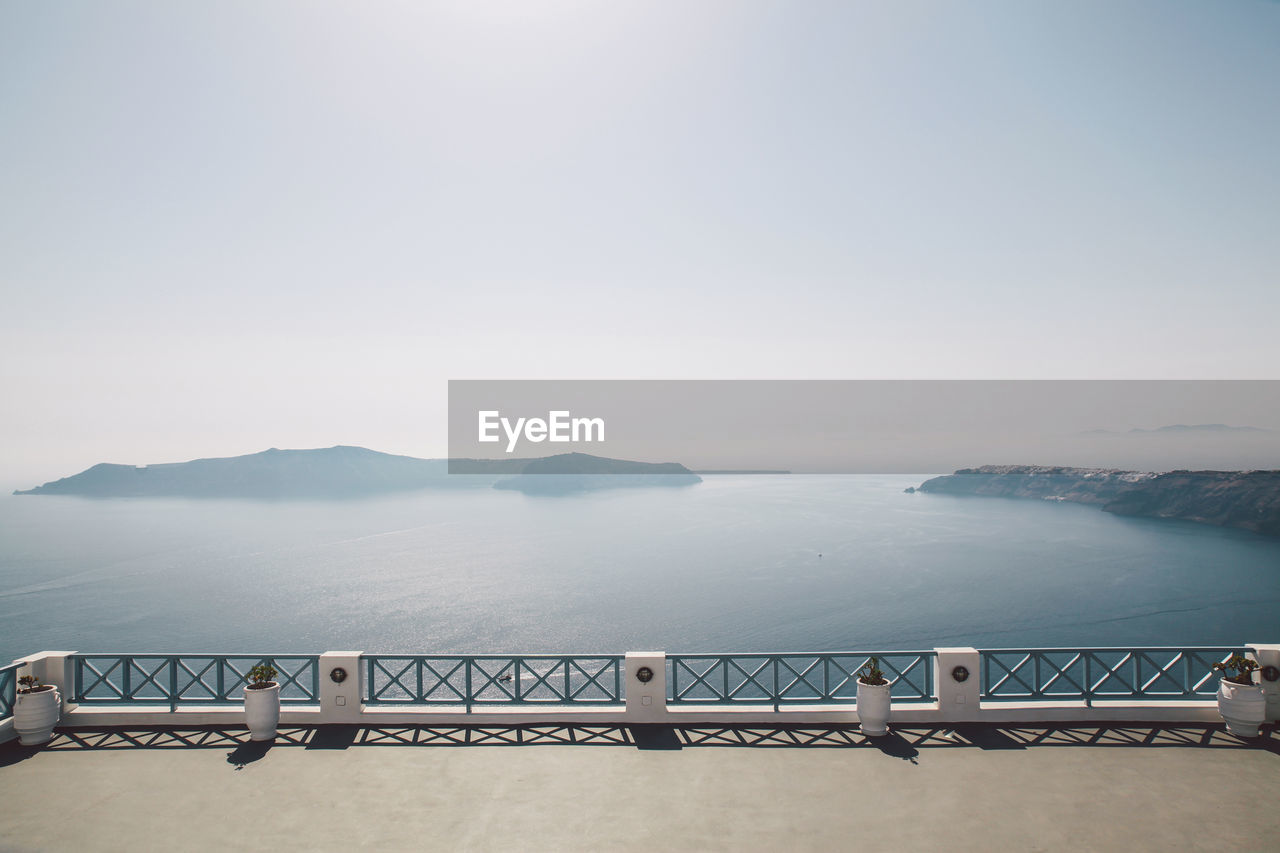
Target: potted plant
37, 711
873, 699
1240, 701
262, 702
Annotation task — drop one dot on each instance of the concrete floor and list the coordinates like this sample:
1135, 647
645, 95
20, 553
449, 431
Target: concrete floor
1029, 789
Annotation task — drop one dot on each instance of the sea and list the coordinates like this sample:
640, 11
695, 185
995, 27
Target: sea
735, 564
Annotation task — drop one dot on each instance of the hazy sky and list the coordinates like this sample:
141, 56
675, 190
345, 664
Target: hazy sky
227, 226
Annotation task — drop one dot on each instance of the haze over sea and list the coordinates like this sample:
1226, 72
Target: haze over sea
737, 563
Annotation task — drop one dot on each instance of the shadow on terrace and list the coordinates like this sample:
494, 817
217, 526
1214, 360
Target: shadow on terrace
903, 742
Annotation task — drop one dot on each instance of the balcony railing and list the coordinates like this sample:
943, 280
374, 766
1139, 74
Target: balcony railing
8, 689
1101, 673
494, 679
187, 679
812, 679
943, 684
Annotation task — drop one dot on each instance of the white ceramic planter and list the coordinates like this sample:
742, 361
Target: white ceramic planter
873, 708
35, 715
1243, 706
262, 711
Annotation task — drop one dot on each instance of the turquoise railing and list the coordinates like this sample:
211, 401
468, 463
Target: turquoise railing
779, 679
8, 689
1101, 673
795, 678
188, 679
494, 679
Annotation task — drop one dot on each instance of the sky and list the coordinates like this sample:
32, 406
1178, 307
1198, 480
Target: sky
236, 225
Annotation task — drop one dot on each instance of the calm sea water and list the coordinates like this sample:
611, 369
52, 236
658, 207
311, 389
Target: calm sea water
734, 564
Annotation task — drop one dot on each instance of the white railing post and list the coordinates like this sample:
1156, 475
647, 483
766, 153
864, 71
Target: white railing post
958, 700
1268, 654
646, 700
52, 668
340, 701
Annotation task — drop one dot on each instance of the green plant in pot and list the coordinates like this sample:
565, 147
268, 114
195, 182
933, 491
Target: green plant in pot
1240, 702
873, 698
36, 711
262, 702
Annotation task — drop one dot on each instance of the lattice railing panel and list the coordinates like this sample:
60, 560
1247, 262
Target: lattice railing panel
188, 679
794, 678
8, 689
494, 679
1102, 673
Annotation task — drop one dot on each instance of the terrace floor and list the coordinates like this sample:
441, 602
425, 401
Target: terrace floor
560, 788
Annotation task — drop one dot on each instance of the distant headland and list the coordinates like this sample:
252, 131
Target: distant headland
1244, 499
343, 471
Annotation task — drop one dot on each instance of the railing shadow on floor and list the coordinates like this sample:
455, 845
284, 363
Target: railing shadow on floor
903, 742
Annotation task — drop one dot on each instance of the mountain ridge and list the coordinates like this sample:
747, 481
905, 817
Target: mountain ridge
338, 471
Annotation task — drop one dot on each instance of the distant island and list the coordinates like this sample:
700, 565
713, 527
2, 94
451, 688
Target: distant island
342, 471
1244, 499
1179, 429
576, 472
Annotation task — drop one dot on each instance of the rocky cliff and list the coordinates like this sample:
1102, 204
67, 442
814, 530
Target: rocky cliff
1079, 485
1246, 499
